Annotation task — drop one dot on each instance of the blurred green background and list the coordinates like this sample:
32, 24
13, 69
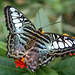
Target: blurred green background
50, 11
53, 9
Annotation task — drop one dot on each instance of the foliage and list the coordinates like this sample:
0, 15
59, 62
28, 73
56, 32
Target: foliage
59, 66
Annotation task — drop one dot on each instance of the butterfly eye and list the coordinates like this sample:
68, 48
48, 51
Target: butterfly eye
40, 29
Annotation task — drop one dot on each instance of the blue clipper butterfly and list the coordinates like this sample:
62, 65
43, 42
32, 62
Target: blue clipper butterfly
37, 48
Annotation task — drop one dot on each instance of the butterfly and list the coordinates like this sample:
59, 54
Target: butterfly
36, 47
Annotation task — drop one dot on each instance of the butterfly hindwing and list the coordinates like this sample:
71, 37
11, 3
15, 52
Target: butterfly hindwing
15, 48
37, 56
60, 45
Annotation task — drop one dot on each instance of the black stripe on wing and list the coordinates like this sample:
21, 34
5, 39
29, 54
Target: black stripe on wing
36, 34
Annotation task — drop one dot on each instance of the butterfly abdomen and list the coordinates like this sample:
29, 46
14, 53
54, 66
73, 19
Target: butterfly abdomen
30, 43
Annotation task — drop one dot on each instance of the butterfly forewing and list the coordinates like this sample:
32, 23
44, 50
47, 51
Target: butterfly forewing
15, 19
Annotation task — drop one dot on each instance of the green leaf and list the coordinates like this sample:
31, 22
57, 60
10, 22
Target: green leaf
25, 74
57, 28
41, 20
3, 45
7, 66
66, 66
49, 71
5, 29
2, 52
40, 72
2, 48
45, 70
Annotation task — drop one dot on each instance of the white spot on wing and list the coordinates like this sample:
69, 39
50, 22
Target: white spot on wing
15, 14
68, 43
55, 44
65, 37
21, 19
61, 45
12, 9
14, 17
53, 36
60, 39
16, 20
74, 41
20, 14
18, 25
58, 36
25, 18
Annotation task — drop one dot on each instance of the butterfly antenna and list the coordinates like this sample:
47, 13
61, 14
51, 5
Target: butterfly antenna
50, 24
39, 18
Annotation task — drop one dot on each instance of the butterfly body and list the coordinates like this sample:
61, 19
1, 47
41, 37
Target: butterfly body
37, 48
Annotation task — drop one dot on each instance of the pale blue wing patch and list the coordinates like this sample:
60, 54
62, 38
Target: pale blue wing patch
15, 48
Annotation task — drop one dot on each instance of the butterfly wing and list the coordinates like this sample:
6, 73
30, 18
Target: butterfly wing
60, 45
15, 19
17, 38
37, 55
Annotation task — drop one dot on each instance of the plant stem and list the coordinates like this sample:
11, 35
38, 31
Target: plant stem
55, 61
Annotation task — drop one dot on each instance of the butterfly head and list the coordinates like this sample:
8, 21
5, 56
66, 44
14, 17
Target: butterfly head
40, 29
